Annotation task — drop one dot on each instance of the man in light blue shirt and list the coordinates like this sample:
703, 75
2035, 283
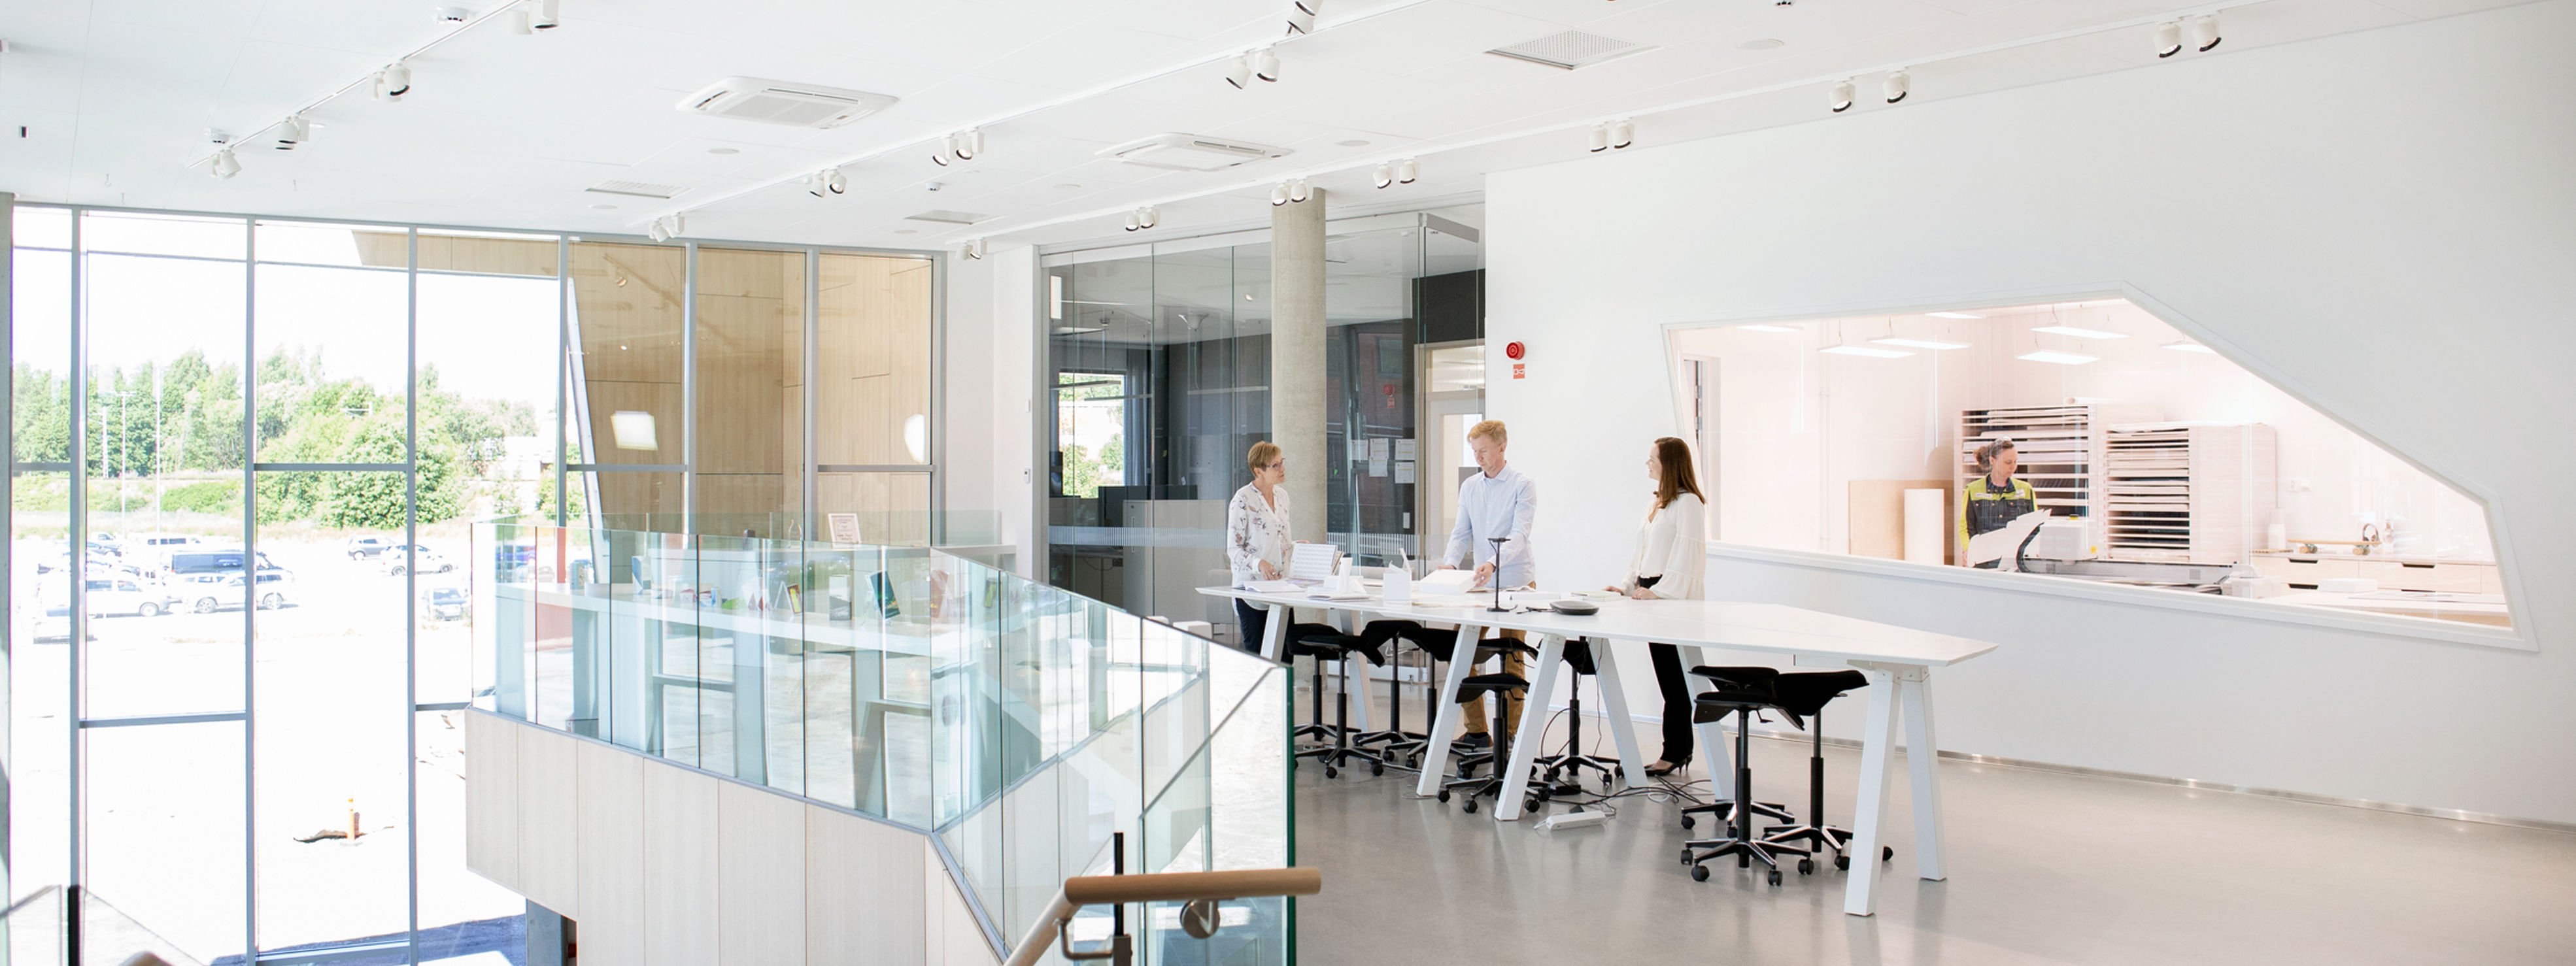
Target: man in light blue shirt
1499, 502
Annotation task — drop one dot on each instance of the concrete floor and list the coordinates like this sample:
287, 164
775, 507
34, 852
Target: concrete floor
2044, 868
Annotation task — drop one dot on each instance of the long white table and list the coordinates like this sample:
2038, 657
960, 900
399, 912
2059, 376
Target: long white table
1898, 660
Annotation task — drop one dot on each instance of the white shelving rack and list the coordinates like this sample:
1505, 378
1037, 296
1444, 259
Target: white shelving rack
2060, 448
2188, 492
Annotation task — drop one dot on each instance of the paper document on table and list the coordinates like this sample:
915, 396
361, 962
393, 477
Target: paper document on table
2000, 544
1273, 586
1447, 582
1312, 562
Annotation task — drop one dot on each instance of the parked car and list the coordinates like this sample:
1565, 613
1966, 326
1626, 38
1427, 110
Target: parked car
126, 596
207, 597
368, 548
444, 603
397, 561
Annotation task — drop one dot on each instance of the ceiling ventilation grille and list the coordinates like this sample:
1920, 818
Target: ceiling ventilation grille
1190, 152
948, 217
637, 189
1571, 49
780, 102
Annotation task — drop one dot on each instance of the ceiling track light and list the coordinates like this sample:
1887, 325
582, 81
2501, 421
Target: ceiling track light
1299, 191
1265, 65
1279, 194
546, 17
293, 132
2168, 39
1240, 74
1600, 138
1898, 84
1149, 216
1840, 99
1300, 20
836, 181
2204, 33
1622, 134
393, 82
1384, 176
973, 251
970, 143
224, 165
520, 23
1406, 170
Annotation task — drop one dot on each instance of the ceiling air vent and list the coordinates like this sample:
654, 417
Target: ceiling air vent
1190, 152
780, 102
1571, 49
638, 189
948, 217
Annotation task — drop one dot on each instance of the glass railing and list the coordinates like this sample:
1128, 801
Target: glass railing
1026, 726
972, 530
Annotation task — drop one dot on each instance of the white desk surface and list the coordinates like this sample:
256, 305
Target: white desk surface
1729, 625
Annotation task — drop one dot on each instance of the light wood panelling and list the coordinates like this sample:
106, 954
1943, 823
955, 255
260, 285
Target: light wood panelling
1875, 510
549, 820
662, 399
760, 891
862, 902
492, 798
956, 938
680, 862
452, 253
612, 854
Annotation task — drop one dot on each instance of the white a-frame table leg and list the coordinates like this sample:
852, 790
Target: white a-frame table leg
1533, 730
1922, 761
1614, 699
1274, 632
1869, 808
1444, 718
1712, 736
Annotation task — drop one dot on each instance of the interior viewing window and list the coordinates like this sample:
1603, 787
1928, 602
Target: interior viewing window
1091, 424
2136, 456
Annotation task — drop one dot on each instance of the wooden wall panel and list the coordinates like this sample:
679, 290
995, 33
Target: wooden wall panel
863, 902
612, 853
680, 863
549, 820
955, 938
760, 891
492, 798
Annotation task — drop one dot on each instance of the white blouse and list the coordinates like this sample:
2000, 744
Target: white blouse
1673, 545
1255, 531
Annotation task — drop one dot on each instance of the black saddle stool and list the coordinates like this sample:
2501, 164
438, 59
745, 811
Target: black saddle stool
1570, 765
1323, 643
1805, 696
1501, 686
1383, 642
1740, 692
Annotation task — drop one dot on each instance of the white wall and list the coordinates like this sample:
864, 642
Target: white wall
2341, 213
989, 377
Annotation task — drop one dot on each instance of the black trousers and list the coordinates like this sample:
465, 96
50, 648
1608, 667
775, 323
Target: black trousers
1251, 620
1671, 679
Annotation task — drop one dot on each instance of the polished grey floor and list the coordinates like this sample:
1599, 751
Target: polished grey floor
2044, 868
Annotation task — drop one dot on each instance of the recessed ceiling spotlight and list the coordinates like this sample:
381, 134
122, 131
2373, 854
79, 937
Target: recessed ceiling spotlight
1840, 99
2204, 33
1897, 85
2168, 39
724, 150
1352, 143
1762, 43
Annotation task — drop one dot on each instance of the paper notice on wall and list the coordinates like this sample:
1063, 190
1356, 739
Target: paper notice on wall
1407, 451
1404, 470
1377, 465
1380, 450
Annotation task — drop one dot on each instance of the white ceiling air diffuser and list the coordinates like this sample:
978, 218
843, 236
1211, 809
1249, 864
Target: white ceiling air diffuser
1190, 152
780, 102
1571, 49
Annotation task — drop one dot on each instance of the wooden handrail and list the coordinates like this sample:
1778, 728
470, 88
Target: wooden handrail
1101, 890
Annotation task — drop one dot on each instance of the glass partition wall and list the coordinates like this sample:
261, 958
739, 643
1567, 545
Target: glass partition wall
246, 457
1157, 358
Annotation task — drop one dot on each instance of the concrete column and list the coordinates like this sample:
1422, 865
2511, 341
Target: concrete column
1297, 358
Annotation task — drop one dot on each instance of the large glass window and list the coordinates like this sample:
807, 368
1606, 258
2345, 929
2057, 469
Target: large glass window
2085, 441
247, 456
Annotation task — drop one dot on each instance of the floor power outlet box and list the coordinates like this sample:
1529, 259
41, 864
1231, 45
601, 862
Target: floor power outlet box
1572, 820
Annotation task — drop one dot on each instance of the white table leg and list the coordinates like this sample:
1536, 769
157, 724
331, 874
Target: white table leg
1444, 718
1274, 632
1720, 755
1869, 809
1614, 699
1551, 652
1349, 623
1922, 760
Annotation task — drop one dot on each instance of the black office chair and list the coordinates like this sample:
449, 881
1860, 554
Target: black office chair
1741, 692
1755, 678
1326, 644
1579, 659
1501, 686
1805, 696
1383, 642
1315, 727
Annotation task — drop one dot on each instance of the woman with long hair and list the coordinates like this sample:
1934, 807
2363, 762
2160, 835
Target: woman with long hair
1672, 553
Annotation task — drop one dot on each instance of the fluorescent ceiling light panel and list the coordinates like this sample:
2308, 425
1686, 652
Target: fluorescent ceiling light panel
1862, 350
2068, 330
1766, 328
2061, 358
1954, 315
1934, 344
2186, 345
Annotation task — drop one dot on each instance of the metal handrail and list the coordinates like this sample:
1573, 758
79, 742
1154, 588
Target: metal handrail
1200, 889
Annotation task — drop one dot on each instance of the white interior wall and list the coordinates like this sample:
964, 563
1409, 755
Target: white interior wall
2377, 222
989, 377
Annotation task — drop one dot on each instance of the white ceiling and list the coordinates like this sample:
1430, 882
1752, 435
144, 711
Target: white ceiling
506, 131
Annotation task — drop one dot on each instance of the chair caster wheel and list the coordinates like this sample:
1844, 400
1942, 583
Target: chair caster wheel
1332, 772
1530, 804
1699, 873
1605, 784
1886, 852
1688, 822
1546, 794
1686, 855
1471, 806
1806, 866
1376, 769
1842, 863
1444, 796
1775, 877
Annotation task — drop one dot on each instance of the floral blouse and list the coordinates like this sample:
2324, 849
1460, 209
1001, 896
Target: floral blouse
1256, 531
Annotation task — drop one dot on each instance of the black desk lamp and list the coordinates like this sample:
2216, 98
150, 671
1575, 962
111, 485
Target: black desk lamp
1498, 573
